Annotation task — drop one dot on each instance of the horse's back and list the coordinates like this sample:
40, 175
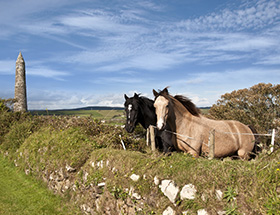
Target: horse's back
231, 136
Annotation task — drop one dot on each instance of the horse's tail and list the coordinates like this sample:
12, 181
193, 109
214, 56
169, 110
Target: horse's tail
257, 148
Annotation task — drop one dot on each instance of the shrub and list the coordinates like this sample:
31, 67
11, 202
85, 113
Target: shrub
57, 148
16, 136
258, 106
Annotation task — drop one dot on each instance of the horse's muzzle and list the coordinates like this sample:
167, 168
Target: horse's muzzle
129, 128
160, 124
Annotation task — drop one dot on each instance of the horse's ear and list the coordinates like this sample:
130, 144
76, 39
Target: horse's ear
155, 93
125, 96
165, 90
136, 95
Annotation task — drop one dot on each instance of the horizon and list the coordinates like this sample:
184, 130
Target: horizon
78, 108
91, 53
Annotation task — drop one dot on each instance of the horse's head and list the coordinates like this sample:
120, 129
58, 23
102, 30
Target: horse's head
132, 109
162, 106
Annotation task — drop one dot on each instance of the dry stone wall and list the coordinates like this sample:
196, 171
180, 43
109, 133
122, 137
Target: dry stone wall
99, 197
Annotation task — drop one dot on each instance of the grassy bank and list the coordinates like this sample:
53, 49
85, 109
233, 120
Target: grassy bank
22, 194
73, 155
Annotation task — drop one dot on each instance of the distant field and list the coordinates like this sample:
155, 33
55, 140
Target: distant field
204, 110
115, 115
107, 115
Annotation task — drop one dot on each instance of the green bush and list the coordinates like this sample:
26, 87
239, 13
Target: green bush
56, 148
258, 106
16, 136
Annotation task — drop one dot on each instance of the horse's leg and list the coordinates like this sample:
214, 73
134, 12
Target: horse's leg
189, 147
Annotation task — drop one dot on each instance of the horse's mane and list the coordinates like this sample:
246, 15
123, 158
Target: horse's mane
186, 102
146, 101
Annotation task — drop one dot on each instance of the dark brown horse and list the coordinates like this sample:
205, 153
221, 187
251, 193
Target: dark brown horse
192, 129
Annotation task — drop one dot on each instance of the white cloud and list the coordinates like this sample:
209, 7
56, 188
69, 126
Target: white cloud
39, 99
46, 72
270, 60
255, 15
120, 80
234, 77
130, 43
54, 99
7, 67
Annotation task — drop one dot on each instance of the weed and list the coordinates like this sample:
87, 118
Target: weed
230, 194
231, 209
119, 193
190, 204
95, 178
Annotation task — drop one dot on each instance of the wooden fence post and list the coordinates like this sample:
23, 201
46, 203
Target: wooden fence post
148, 136
272, 140
152, 136
211, 144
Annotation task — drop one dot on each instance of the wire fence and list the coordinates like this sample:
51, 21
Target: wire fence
272, 135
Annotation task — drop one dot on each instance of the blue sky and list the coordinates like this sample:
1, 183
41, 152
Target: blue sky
91, 52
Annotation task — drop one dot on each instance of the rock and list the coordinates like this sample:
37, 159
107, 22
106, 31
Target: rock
85, 176
67, 185
134, 177
169, 189
27, 172
168, 211
100, 164
136, 196
114, 170
102, 184
156, 180
188, 192
85, 208
219, 195
204, 197
98, 204
202, 212
131, 191
69, 168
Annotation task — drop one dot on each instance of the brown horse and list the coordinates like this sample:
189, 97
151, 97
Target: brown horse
192, 129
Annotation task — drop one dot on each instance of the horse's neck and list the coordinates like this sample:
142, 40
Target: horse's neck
182, 116
148, 116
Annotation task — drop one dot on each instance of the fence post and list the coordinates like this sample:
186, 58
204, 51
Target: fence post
152, 136
272, 140
211, 144
148, 136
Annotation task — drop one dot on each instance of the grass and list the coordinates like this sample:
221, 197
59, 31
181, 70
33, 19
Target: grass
22, 194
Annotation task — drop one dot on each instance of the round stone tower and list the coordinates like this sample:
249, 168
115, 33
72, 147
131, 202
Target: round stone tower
20, 86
